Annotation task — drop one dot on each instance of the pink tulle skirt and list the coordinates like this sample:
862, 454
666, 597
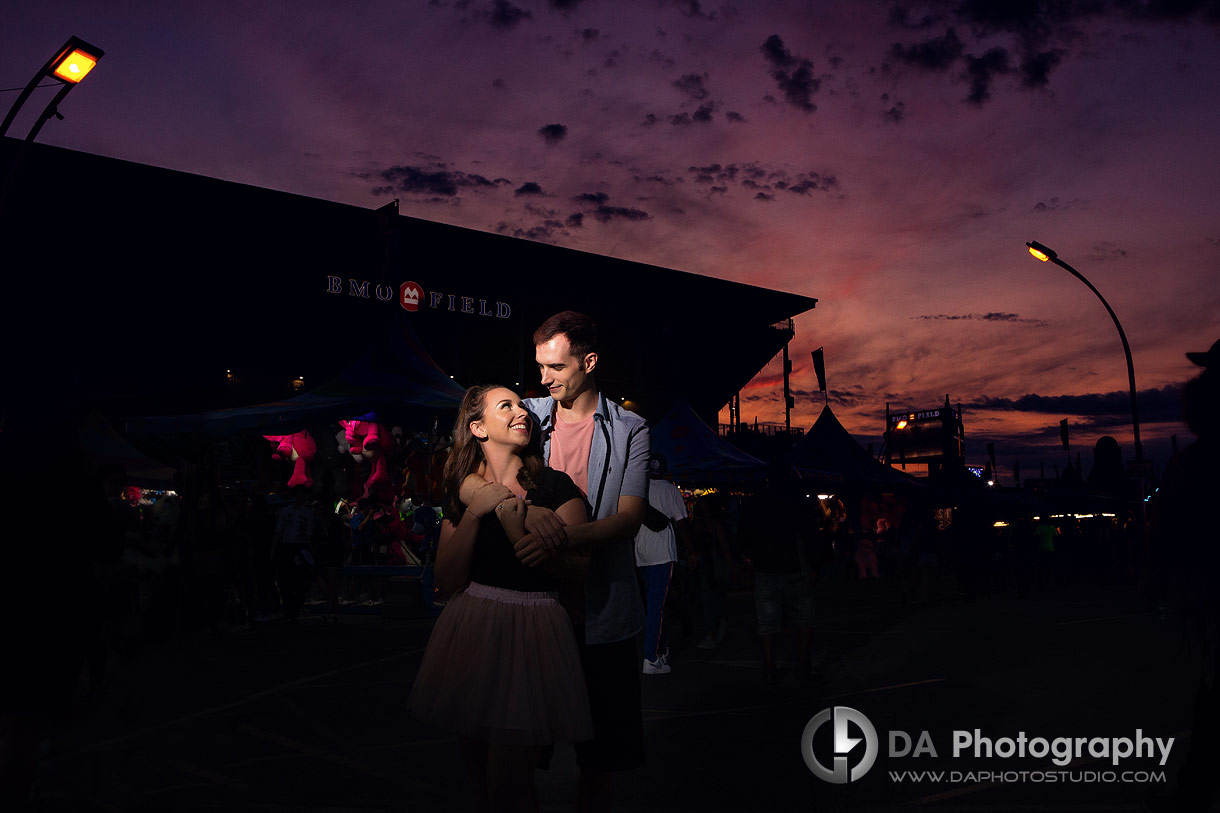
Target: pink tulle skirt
502, 666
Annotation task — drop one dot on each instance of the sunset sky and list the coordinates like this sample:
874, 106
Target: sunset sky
890, 159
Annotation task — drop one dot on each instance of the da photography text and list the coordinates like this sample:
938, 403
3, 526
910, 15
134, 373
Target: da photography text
854, 746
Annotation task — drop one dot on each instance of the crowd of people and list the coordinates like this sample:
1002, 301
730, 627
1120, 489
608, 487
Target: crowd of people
564, 553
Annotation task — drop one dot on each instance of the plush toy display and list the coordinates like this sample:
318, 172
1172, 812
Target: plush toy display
371, 442
300, 449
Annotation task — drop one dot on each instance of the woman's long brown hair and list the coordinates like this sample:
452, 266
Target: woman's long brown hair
466, 454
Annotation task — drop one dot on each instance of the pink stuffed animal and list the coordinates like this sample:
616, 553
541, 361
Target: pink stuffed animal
300, 449
370, 441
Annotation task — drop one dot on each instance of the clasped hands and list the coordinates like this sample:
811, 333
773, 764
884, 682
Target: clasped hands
537, 532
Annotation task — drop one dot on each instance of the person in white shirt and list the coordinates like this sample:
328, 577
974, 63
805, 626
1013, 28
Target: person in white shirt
656, 550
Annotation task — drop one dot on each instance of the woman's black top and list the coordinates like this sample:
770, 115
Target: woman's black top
495, 562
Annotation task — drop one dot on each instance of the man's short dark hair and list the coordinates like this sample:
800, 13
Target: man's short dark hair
579, 328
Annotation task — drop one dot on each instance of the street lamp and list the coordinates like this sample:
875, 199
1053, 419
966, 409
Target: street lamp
68, 66
1045, 254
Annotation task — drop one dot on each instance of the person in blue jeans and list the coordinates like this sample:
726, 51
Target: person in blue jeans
656, 550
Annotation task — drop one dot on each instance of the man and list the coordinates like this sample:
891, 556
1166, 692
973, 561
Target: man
604, 449
778, 529
656, 550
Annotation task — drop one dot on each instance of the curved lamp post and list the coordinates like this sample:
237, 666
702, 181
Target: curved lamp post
69, 65
1045, 254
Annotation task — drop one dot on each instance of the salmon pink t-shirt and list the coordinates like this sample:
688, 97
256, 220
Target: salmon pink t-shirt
570, 445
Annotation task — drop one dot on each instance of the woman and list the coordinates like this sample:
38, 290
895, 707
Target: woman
501, 668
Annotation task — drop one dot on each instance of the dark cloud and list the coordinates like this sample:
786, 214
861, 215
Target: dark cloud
692, 85
650, 120
602, 211
543, 231
528, 188
438, 181
661, 179
896, 113
693, 8
505, 16
981, 70
916, 19
605, 213
981, 317
498, 84
714, 173
937, 54
1030, 19
1056, 204
1155, 405
1038, 35
762, 180
590, 34
564, 5
1103, 252
553, 133
734, 117
662, 59
793, 74
701, 116
807, 182
1036, 68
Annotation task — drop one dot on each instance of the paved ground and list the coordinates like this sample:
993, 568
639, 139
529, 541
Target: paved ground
310, 717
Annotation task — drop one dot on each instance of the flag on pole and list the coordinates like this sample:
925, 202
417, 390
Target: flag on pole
1063, 433
819, 368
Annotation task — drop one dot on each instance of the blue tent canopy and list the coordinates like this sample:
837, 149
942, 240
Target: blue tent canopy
104, 447
395, 376
695, 454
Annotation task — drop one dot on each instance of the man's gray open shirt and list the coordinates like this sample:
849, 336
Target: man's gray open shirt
618, 467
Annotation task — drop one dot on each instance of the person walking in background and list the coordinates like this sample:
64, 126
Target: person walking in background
714, 566
291, 550
778, 531
501, 669
656, 550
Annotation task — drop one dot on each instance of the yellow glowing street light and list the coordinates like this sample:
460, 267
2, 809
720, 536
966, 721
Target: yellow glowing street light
76, 64
1040, 251
1045, 254
69, 66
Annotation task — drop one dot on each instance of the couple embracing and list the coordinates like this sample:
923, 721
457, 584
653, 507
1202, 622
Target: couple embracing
542, 496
